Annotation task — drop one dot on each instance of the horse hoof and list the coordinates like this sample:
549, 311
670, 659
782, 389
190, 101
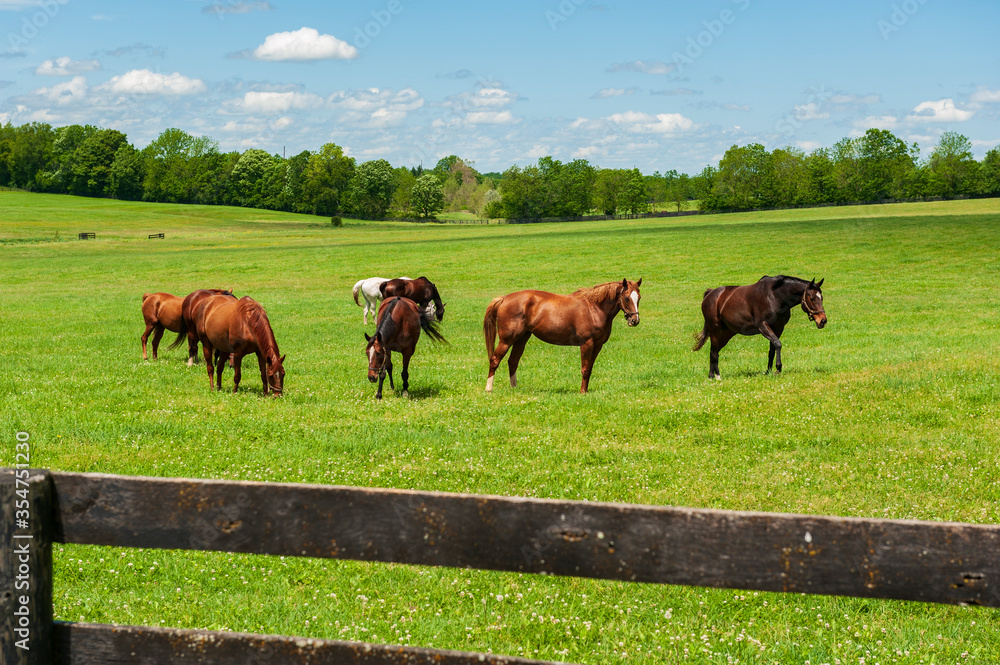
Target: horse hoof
406, 395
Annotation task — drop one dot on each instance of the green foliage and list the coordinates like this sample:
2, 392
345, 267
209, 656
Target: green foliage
326, 180
127, 170
989, 173
953, 170
371, 189
336, 221
428, 196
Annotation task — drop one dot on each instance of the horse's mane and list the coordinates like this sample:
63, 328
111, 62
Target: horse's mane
259, 325
386, 325
598, 294
779, 280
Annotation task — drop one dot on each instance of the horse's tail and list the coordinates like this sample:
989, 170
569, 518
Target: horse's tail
357, 289
490, 325
701, 337
430, 325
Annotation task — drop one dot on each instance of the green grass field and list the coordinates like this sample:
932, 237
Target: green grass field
890, 411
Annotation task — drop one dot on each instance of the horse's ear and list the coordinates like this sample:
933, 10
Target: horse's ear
639, 283
624, 284
820, 285
281, 360
367, 338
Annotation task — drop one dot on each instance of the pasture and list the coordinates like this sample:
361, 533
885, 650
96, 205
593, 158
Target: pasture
889, 412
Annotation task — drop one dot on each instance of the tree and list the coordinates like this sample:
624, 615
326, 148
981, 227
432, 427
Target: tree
952, 167
90, 172
744, 180
402, 194
31, 150
885, 165
989, 173
125, 178
326, 180
634, 196
371, 189
428, 196
608, 186
521, 193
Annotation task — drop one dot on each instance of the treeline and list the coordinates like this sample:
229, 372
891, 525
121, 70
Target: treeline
180, 168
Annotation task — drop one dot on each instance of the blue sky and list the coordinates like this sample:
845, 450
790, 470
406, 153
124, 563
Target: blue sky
657, 85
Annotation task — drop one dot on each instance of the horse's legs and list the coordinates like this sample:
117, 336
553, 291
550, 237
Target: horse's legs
719, 340
157, 336
588, 354
220, 364
775, 348
145, 336
516, 351
262, 364
388, 369
406, 374
192, 348
208, 350
495, 359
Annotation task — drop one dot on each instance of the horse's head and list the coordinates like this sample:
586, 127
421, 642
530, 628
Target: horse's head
812, 303
628, 300
276, 375
377, 355
431, 293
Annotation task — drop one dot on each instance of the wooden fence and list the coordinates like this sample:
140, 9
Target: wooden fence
155, 235
935, 562
86, 236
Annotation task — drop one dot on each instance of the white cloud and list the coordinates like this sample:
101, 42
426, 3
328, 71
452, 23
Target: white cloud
943, 110
257, 101
146, 82
644, 123
855, 99
606, 93
809, 146
282, 123
642, 67
877, 122
491, 118
377, 107
68, 92
985, 96
67, 67
810, 111
303, 44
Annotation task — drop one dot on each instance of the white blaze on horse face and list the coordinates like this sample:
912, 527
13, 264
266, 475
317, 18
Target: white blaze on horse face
371, 354
635, 300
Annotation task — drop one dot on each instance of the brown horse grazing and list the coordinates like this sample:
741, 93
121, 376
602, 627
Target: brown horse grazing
398, 327
582, 319
236, 328
762, 308
189, 309
420, 290
162, 311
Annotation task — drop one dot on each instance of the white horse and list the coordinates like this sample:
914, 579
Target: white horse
368, 288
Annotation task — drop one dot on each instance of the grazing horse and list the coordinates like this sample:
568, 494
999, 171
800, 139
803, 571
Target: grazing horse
189, 308
762, 308
236, 328
420, 290
582, 319
400, 321
163, 311
369, 290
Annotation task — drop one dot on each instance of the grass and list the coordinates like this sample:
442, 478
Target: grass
890, 411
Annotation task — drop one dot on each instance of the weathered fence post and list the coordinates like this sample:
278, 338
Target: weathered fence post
26, 512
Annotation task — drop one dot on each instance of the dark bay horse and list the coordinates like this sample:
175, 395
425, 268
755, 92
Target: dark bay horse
756, 309
420, 290
236, 328
162, 311
582, 319
398, 327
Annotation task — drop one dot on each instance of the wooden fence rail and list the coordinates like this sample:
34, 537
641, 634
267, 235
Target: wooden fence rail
936, 562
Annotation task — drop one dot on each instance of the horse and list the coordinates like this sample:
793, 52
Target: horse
235, 329
762, 308
398, 327
189, 307
162, 311
581, 319
369, 290
420, 290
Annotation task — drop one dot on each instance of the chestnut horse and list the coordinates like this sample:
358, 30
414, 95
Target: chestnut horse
582, 319
756, 309
163, 311
189, 308
398, 327
236, 328
420, 290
